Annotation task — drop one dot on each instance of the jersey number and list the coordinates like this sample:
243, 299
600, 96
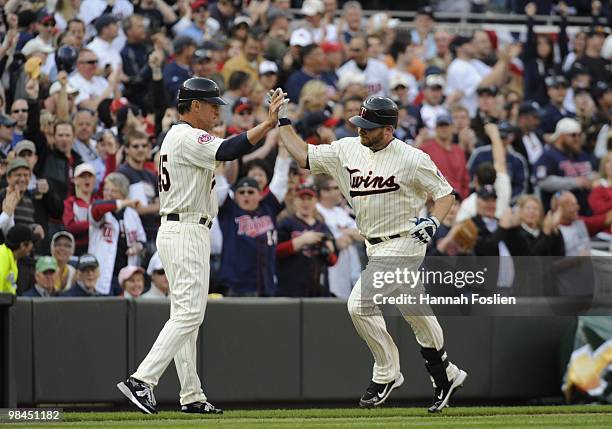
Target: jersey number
163, 178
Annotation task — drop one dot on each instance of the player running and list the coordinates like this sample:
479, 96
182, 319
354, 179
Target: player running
188, 204
386, 182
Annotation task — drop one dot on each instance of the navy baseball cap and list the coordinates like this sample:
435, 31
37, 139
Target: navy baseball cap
505, 129
487, 191
492, 90
555, 81
87, 261
444, 119
529, 108
247, 182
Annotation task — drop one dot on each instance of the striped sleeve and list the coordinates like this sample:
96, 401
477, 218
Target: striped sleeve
323, 158
429, 179
200, 149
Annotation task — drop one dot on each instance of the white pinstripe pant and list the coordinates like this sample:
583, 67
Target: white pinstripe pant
369, 321
184, 249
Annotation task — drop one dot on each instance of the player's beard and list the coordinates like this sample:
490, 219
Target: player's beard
372, 139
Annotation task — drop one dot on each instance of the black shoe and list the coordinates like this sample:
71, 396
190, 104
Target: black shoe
201, 407
377, 393
442, 395
140, 393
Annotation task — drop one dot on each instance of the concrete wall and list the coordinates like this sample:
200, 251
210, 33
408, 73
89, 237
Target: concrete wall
273, 350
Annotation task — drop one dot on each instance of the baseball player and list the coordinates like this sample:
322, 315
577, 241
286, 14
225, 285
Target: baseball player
188, 204
387, 183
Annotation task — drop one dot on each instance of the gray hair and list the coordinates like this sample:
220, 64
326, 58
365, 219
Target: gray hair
121, 182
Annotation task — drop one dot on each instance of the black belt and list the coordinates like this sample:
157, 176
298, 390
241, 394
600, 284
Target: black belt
377, 240
175, 217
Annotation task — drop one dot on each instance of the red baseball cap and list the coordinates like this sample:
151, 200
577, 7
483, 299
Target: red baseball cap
328, 47
241, 104
197, 4
118, 103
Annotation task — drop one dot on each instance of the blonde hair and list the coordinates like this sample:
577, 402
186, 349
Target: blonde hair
313, 96
524, 199
602, 166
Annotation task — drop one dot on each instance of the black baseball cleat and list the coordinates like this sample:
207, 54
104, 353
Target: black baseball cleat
377, 393
443, 395
140, 394
201, 407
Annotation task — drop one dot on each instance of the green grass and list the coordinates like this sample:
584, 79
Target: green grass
599, 416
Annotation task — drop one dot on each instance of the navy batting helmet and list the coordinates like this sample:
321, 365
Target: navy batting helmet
200, 88
376, 112
65, 58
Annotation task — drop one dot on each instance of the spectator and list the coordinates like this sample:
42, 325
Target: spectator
131, 280
7, 127
116, 234
84, 144
464, 135
247, 61
87, 277
242, 118
345, 273
62, 249
448, 157
312, 67
313, 22
143, 183
596, 66
46, 270
540, 233
19, 113
102, 45
62, 96
92, 88
432, 106
135, 59
376, 72
577, 51
423, 34
56, 164
76, 207
350, 108
516, 164
554, 110
179, 70
488, 111
529, 142
484, 55
204, 65
239, 86
600, 198
194, 24
268, 75
76, 29
443, 243
564, 166
580, 79
47, 204
248, 224
224, 12
157, 12
443, 55
538, 58
354, 21
160, 288
305, 249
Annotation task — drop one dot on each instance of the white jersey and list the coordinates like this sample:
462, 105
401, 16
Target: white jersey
187, 171
376, 73
385, 188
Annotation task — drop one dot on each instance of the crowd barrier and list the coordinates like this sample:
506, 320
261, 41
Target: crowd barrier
74, 351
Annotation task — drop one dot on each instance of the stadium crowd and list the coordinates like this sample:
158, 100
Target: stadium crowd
519, 124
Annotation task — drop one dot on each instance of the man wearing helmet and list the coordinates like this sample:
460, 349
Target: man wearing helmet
387, 182
188, 203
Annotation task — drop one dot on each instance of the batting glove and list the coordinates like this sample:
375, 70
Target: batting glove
424, 228
282, 111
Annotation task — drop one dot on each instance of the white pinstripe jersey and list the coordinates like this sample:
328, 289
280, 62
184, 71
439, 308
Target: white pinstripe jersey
385, 188
187, 171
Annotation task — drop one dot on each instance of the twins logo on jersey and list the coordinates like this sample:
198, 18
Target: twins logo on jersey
205, 138
254, 226
367, 185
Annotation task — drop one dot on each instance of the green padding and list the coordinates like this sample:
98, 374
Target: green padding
80, 349
337, 363
251, 349
147, 319
22, 351
525, 356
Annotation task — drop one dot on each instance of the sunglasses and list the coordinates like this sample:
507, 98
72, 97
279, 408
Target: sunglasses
90, 62
49, 24
19, 111
332, 188
246, 192
159, 272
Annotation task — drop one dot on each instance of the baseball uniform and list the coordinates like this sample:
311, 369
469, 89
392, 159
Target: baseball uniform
186, 181
385, 188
